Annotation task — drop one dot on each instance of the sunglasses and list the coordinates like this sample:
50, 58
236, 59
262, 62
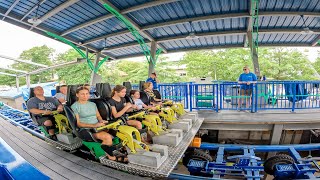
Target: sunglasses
244, 69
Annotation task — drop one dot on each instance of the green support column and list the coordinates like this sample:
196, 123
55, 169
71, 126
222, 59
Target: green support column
153, 57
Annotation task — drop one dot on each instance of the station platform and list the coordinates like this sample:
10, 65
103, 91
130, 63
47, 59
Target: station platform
53, 162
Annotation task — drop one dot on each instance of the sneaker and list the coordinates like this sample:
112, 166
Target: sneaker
53, 137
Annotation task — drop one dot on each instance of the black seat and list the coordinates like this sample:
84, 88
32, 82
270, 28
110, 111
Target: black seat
105, 91
71, 94
141, 83
103, 108
31, 95
157, 94
83, 133
145, 98
129, 88
57, 89
98, 89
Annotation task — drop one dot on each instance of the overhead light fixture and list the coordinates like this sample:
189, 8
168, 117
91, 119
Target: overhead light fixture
105, 45
35, 19
192, 34
305, 30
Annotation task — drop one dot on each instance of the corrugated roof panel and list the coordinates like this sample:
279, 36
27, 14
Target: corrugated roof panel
46, 26
280, 38
289, 22
204, 42
124, 4
6, 4
45, 7
290, 5
199, 27
186, 9
117, 41
79, 13
127, 51
24, 6
102, 28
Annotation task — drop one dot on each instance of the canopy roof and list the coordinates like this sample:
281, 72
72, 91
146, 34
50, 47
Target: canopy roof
217, 23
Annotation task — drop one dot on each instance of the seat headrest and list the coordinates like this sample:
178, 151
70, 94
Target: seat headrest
128, 87
105, 91
103, 108
31, 93
157, 94
141, 83
98, 89
144, 98
57, 89
71, 94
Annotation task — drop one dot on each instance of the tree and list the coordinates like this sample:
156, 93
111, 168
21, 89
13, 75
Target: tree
39, 54
316, 64
276, 63
73, 74
285, 64
225, 64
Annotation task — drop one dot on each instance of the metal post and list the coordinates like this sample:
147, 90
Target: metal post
153, 57
28, 80
94, 75
253, 34
275, 137
17, 83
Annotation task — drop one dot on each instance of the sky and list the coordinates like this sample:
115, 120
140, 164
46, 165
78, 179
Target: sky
14, 40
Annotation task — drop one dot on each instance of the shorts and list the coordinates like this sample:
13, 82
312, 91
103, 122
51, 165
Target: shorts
245, 92
42, 119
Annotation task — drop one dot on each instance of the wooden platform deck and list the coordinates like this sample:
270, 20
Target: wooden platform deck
53, 162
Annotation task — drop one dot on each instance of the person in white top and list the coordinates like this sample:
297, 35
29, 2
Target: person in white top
135, 94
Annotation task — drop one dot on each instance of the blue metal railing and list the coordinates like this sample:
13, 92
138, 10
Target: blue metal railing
203, 96
269, 95
175, 92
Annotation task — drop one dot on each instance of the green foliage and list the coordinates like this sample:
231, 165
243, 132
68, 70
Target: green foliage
121, 71
38, 54
226, 64
316, 64
73, 74
284, 64
275, 63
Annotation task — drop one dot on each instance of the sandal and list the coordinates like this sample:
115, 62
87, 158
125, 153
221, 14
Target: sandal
122, 159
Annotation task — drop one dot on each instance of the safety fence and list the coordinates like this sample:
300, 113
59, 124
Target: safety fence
274, 95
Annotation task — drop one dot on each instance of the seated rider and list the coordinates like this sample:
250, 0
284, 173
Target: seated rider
41, 108
135, 94
62, 95
119, 106
88, 116
148, 88
92, 94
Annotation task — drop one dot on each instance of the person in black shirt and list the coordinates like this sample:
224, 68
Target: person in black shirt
119, 106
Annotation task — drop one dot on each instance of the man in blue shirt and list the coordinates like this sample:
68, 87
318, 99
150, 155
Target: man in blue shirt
153, 79
246, 81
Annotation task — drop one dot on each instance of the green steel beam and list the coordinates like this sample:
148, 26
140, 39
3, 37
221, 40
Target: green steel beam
145, 48
90, 64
